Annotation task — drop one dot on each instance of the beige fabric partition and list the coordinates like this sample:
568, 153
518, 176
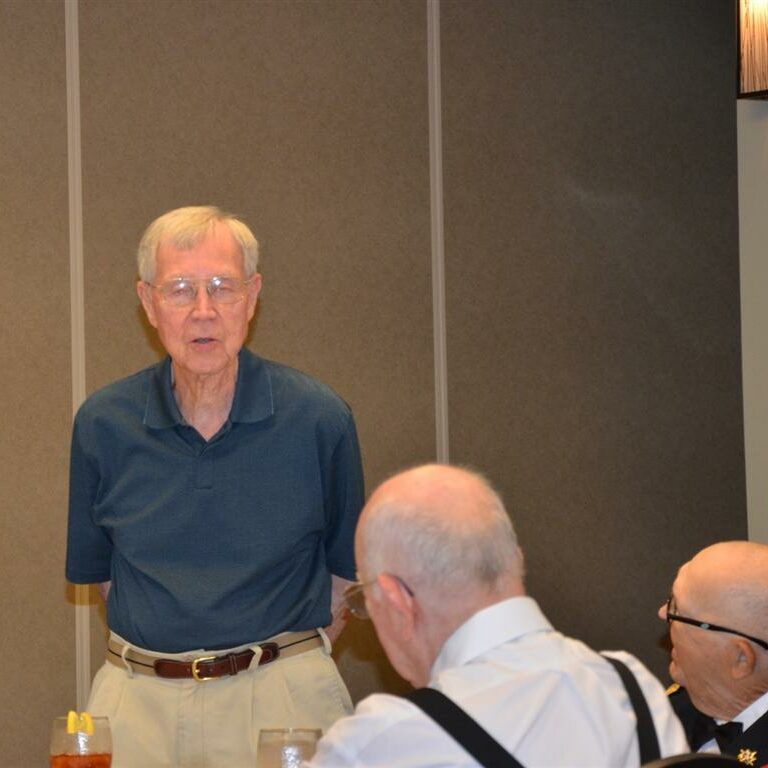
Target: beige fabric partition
309, 120
36, 642
591, 262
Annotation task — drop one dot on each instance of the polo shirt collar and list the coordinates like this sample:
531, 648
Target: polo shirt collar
507, 620
253, 400
161, 411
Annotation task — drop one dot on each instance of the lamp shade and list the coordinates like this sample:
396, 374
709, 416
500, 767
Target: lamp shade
753, 49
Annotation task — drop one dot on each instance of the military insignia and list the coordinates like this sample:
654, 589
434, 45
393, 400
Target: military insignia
747, 756
674, 688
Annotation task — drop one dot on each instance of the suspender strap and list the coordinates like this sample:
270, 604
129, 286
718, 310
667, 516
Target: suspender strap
489, 753
476, 740
646, 731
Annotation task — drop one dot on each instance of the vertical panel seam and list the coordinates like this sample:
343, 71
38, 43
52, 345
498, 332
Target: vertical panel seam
77, 309
437, 231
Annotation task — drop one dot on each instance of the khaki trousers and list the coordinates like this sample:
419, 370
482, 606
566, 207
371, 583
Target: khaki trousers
160, 723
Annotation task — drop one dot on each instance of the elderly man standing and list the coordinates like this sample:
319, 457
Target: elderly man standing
214, 498
441, 575
718, 624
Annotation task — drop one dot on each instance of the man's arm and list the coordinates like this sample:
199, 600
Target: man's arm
89, 549
339, 613
347, 497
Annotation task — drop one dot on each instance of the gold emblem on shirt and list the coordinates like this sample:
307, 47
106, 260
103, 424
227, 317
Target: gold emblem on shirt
747, 756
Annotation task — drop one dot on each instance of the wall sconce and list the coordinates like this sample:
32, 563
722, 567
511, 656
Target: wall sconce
753, 49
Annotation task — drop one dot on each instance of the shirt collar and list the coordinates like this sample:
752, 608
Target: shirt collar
161, 410
253, 399
753, 712
253, 392
507, 620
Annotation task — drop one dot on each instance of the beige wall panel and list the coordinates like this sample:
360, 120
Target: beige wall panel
309, 120
593, 294
38, 623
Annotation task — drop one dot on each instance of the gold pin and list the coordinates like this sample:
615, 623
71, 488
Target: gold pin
747, 756
674, 688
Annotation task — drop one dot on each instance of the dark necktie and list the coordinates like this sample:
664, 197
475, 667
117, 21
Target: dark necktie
707, 729
726, 734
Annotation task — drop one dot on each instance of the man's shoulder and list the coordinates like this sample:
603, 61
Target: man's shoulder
648, 682
686, 712
290, 385
126, 392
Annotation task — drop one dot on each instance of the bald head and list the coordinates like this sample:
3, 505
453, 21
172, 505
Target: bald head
724, 585
728, 583
442, 526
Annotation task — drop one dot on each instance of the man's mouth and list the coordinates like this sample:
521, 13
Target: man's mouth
203, 340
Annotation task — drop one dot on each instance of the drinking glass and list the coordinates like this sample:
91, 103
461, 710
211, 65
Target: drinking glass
81, 749
286, 747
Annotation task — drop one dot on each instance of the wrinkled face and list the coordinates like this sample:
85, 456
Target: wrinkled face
204, 338
697, 661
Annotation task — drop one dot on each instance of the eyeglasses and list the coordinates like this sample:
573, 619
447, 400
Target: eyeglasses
182, 291
711, 627
354, 597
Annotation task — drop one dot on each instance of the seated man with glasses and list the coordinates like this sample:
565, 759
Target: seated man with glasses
441, 576
718, 625
214, 498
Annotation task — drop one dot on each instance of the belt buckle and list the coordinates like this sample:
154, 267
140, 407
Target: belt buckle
269, 652
195, 673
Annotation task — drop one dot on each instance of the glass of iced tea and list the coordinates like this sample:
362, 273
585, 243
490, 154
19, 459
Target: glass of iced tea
286, 747
81, 741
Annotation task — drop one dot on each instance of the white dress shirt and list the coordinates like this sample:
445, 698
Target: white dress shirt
548, 699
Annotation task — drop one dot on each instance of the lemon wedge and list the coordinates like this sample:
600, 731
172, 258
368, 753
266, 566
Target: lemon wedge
79, 723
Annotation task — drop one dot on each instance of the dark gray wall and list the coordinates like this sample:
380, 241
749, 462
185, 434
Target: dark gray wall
593, 292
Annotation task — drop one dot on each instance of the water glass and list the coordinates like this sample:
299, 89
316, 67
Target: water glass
286, 747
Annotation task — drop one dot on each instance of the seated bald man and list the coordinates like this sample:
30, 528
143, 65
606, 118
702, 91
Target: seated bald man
718, 624
441, 575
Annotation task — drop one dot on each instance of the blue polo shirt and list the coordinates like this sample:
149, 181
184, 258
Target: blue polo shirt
219, 543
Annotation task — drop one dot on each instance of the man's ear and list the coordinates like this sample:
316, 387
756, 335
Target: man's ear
145, 295
400, 606
742, 658
252, 295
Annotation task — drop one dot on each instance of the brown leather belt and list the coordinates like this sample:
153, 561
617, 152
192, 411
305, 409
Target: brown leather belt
209, 667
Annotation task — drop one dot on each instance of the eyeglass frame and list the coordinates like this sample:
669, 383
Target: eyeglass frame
709, 626
209, 285
357, 587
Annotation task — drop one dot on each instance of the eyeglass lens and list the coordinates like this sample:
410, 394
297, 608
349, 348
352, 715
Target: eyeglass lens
183, 291
673, 616
354, 597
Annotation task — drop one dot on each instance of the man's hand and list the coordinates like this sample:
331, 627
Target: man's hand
339, 612
104, 588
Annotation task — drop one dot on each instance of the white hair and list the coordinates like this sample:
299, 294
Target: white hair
184, 228
450, 552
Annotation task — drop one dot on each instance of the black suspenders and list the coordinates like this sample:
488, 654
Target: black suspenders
489, 753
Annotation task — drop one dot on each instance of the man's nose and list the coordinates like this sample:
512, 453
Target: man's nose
662, 612
203, 303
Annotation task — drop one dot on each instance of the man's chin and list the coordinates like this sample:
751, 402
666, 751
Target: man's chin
676, 673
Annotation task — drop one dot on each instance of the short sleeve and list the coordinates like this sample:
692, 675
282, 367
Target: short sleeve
344, 502
89, 549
